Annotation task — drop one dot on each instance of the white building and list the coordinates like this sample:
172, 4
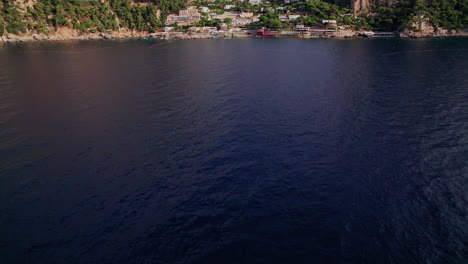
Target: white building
246, 15
190, 11
203, 29
328, 21
293, 17
185, 17
232, 15
301, 28
241, 22
288, 17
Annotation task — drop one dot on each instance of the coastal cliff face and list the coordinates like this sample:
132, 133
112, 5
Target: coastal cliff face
360, 5
366, 5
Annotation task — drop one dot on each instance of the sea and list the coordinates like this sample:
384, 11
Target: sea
234, 151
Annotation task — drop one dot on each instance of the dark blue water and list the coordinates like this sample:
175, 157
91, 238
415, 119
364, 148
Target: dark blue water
234, 151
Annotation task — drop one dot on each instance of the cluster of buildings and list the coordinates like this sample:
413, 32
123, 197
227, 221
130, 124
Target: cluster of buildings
232, 22
298, 31
253, 2
192, 14
189, 16
186, 17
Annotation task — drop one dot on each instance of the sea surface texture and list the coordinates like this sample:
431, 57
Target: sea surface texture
234, 151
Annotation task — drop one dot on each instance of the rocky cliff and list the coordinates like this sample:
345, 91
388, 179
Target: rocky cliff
360, 5
366, 5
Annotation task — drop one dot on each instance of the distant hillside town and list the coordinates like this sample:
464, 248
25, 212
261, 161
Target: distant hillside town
63, 19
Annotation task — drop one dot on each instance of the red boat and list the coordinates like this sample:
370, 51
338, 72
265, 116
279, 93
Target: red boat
265, 33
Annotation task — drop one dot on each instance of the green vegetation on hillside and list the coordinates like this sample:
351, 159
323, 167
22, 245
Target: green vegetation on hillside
449, 14
150, 15
14, 19
87, 15
2, 28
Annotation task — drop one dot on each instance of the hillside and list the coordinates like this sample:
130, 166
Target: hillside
85, 16
81, 17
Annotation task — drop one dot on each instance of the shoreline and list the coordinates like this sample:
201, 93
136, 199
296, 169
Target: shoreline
10, 38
